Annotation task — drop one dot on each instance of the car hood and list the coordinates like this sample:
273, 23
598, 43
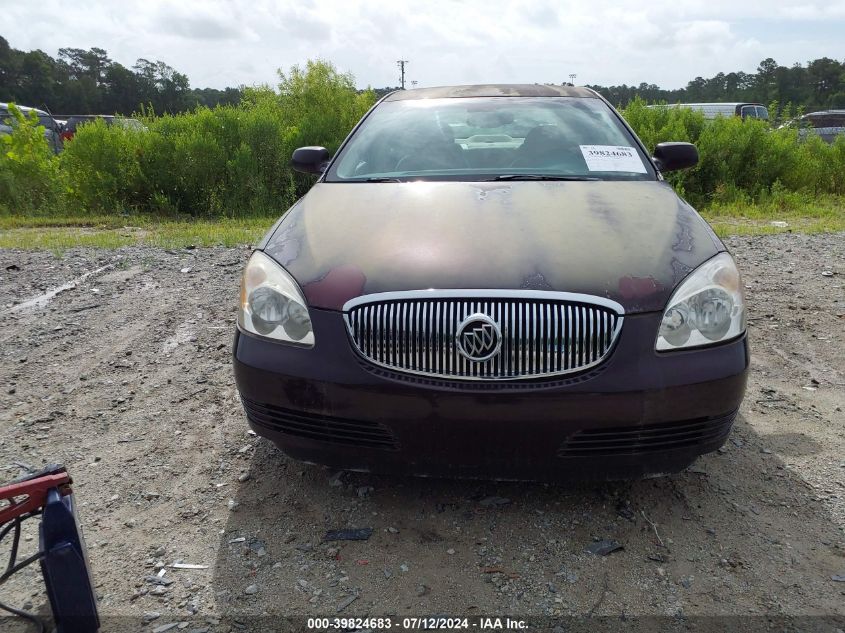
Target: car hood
627, 241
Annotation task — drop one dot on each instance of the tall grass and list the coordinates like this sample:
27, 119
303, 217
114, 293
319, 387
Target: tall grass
228, 161
742, 161
30, 178
233, 161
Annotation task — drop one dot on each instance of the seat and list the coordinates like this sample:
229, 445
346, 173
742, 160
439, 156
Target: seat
546, 147
426, 145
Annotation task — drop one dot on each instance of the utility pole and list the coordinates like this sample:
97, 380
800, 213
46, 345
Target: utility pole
401, 63
572, 77
414, 83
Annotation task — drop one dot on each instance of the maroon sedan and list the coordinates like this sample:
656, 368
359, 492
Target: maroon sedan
493, 281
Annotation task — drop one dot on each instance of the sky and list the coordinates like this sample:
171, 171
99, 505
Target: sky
220, 43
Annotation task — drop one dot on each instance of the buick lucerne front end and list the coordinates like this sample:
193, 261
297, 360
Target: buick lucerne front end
493, 281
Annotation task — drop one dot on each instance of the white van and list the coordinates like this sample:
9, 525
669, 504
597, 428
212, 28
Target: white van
712, 110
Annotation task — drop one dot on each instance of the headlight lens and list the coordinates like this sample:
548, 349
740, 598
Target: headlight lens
272, 305
708, 307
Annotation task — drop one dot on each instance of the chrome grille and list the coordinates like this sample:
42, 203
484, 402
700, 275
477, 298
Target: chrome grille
542, 333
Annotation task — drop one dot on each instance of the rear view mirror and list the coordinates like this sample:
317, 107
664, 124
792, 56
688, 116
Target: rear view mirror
673, 156
489, 118
310, 160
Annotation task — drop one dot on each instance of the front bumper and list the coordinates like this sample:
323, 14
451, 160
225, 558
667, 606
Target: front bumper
637, 414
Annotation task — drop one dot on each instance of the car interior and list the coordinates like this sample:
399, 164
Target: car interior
427, 146
478, 139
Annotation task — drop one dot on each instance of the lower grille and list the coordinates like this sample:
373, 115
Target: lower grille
628, 440
320, 427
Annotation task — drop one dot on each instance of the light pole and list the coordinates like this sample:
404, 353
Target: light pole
401, 63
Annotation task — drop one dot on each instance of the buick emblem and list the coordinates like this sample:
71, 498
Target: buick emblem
478, 337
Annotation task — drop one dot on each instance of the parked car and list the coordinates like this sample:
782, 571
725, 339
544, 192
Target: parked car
712, 110
52, 128
545, 307
826, 124
75, 120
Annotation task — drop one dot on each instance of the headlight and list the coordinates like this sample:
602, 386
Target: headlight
707, 308
272, 305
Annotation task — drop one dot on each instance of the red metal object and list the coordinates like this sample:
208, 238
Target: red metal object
30, 494
61, 552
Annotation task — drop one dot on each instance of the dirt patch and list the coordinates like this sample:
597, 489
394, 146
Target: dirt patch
126, 378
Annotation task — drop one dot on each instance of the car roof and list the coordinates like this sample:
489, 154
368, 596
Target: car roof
491, 90
5, 106
731, 104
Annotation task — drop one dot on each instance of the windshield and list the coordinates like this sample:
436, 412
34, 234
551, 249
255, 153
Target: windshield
755, 112
7, 119
491, 137
824, 120
129, 124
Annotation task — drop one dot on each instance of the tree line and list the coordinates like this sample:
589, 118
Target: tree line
82, 81
820, 85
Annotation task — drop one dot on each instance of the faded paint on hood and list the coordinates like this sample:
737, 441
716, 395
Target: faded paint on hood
628, 241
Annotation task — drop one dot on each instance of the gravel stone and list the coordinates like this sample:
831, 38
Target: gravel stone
167, 425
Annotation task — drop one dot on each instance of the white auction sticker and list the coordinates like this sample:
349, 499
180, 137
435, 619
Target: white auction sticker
612, 158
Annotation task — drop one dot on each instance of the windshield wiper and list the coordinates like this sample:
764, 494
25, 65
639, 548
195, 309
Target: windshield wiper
540, 177
381, 179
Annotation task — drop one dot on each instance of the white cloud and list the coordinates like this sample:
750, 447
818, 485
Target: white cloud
230, 42
206, 21
826, 11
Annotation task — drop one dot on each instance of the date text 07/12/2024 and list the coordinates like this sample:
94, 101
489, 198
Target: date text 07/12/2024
411, 623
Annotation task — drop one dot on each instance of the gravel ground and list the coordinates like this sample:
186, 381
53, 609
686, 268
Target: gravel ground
126, 379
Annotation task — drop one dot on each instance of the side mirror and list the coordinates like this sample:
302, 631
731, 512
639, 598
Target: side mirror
310, 160
673, 156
